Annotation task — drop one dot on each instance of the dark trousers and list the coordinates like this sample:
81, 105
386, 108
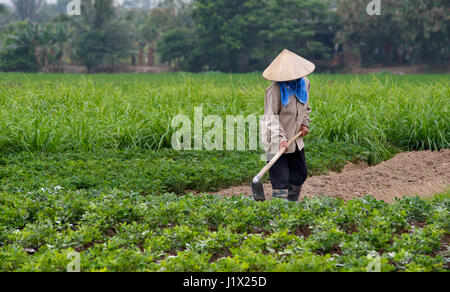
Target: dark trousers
290, 169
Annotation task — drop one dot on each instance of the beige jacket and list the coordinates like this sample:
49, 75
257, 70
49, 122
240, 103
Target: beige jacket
281, 123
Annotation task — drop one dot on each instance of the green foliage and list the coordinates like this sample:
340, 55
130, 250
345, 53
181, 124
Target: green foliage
152, 172
242, 36
31, 47
95, 134
376, 114
99, 37
125, 231
420, 29
306, 26
19, 59
175, 46
86, 167
226, 33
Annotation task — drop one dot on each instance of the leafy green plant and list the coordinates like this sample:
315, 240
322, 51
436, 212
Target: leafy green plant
125, 231
86, 166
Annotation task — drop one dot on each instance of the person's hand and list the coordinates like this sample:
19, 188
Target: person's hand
305, 131
284, 144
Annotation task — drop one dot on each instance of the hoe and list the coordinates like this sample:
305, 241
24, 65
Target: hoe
257, 186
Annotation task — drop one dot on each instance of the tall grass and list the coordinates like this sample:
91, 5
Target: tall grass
57, 113
381, 114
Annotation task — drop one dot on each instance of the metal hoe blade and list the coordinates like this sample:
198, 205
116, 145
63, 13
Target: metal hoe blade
258, 192
257, 187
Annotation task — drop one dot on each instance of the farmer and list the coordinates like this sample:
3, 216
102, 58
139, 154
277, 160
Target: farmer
286, 113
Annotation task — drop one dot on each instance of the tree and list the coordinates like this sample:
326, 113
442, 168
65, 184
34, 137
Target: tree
150, 34
27, 9
168, 15
426, 28
100, 37
374, 36
18, 59
18, 52
227, 32
419, 30
175, 45
243, 35
307, 26
135, 19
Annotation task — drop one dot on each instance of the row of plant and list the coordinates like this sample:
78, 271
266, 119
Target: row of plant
125, 231
379, 114
85, 168
153, 172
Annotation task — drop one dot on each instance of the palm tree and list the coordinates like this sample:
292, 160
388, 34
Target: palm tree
34, 37
23, 37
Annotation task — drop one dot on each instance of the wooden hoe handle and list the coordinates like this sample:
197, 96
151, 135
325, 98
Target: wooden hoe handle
280, 153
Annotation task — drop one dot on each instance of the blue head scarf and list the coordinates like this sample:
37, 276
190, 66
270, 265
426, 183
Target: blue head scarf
297, 87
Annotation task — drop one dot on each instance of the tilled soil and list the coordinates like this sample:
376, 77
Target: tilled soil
423, 174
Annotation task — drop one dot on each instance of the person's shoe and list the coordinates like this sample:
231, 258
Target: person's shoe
280, 194
294, 193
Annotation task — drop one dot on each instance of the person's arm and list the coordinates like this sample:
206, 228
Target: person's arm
307, 117
275, 133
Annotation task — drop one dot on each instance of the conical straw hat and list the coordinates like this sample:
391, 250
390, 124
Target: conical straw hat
288, 66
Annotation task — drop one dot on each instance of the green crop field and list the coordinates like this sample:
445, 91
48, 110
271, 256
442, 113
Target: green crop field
86, 165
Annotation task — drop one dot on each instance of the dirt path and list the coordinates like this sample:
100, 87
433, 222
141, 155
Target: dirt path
422, 173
